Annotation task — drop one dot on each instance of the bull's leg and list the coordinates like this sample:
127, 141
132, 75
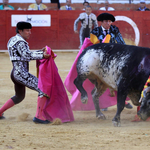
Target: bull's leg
121, 97
96, 93
78, 83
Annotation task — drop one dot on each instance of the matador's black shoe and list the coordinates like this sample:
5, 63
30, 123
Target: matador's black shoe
2, 117
129, 106
36, 120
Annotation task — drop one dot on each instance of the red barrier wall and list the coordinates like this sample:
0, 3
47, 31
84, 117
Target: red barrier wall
60, 34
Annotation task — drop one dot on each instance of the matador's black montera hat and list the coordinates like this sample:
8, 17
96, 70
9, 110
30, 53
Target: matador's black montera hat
23, 25
106, 16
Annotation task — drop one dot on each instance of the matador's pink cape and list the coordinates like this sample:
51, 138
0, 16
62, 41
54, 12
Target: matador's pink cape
58, 106
104, 101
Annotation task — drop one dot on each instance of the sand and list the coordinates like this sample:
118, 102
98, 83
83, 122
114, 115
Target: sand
18, 131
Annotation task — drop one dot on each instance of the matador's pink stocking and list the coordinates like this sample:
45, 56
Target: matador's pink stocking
6, 106
40, 106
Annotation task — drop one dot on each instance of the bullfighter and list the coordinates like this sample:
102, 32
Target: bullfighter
99, 33
88, 20
20, 55
106, 27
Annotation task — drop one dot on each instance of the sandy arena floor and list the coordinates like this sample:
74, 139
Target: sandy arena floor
18, 132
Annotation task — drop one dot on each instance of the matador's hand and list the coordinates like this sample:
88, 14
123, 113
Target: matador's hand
45, 55
76, 31
44, 49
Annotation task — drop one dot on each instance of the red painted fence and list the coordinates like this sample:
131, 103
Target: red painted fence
133, 25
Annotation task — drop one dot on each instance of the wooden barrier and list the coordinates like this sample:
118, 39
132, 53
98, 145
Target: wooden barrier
133, 25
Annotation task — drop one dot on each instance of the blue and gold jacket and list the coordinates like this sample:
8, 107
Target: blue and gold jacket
116, 36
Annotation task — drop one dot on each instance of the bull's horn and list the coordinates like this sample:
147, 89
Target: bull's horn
140, 100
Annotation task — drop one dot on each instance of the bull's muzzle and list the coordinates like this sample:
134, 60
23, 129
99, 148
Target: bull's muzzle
142, 115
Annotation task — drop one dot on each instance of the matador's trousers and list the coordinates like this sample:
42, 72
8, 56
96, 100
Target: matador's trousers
22, 78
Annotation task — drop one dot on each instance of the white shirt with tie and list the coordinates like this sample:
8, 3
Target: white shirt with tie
105, 31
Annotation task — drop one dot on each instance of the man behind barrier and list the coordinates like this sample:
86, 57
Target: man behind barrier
88, 20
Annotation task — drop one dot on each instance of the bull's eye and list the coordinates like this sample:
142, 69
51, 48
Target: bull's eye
148, 103
142, 103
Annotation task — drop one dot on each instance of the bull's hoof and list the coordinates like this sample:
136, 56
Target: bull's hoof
116, 121
116, 124
84, 100
101, 116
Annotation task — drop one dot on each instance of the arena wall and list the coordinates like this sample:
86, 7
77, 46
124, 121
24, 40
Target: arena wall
133, 25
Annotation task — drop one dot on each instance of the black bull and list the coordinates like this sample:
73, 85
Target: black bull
123, 68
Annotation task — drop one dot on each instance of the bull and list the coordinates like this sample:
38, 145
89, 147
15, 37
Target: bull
123, 68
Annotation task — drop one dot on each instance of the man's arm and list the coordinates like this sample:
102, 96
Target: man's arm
76, 24
31, 7
63, 8
44, 7
120, 39
95, 21
118, 36
96, 31
24, 52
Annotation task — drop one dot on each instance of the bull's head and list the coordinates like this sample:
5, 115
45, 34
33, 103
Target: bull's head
144, 111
